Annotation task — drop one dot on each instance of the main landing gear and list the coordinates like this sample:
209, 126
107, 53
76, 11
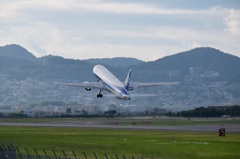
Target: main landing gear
99, 95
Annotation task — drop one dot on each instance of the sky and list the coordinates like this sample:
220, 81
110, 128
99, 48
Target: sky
143, 29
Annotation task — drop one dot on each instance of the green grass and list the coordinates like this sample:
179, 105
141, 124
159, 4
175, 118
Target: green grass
149, 144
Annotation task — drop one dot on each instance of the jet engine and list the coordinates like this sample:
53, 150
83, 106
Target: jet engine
87, 89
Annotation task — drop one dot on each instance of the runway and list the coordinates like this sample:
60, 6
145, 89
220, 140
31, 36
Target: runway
230, 128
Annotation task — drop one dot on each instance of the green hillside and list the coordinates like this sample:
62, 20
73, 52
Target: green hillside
206, 59
16, 51
206, 63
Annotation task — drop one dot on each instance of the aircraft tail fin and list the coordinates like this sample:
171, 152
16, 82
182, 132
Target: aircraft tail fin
127, 81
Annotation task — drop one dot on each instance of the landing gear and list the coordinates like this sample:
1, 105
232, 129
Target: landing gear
99, 95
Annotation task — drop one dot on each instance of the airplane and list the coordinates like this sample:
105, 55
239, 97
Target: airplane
108, 82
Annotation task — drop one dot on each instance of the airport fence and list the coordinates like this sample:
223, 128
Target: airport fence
10, 151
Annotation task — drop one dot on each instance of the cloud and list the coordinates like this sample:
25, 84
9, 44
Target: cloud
38, 38
232, 22
13, 8
171, 33
95, 28
129, 8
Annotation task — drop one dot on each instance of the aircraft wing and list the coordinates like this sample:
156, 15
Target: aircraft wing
142, 95
89, 85
133, 95
134, 85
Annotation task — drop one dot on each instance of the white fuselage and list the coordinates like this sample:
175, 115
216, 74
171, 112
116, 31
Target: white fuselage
110, 82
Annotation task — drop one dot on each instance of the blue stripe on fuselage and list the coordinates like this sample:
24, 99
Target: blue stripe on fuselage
114, 88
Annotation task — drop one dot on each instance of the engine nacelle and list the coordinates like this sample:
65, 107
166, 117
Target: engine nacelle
88, 89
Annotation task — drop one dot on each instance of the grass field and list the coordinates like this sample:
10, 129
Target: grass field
149, 144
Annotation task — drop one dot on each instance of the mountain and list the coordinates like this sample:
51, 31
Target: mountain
17, 68
199, 63
202, 62
56, 67
116, 62
207, 76
16, 51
